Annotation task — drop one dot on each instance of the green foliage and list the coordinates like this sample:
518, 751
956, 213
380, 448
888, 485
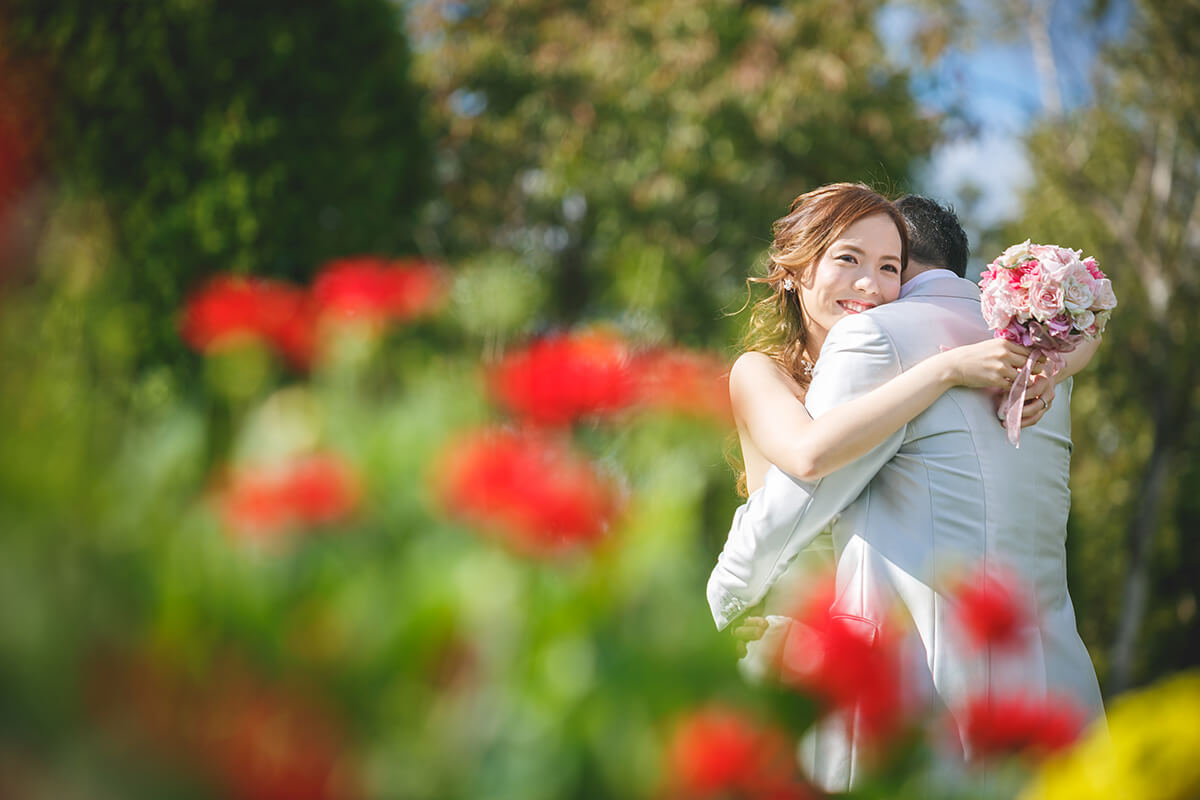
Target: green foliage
620, 161
225, 136
1120, 181
634, 154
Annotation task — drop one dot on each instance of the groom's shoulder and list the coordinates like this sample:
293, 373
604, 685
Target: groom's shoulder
868, 329
883, 319
916, 309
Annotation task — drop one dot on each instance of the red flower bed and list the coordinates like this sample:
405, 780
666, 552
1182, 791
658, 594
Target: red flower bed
261, 503
21, 130
990, 612
686, 382
848, 663
255, 740
561, 378
377, 290
528, 488
229, 310
1017, 724
720, 753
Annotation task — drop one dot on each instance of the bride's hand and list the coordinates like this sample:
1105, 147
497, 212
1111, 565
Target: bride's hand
746, 630
990, 364
1039, 395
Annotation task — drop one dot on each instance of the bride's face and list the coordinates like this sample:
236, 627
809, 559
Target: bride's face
860, 270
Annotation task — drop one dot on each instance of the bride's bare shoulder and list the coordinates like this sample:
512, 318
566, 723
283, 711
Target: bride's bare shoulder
753, 366
754, 370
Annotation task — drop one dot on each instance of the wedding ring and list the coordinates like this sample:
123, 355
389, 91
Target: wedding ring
1045, 405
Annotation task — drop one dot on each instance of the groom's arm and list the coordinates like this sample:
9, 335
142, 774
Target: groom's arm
780, 519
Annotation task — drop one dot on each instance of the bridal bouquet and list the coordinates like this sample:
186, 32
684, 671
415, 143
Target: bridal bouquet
1047, 298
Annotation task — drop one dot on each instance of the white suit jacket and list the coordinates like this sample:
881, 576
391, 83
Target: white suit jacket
945, 494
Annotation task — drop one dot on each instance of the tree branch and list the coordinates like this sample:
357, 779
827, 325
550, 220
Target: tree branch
1043, 55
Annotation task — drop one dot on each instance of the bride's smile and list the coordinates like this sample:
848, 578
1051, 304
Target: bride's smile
855, 306
858, 271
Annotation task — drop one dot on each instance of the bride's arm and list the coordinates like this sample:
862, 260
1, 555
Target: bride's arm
1077, 359
788, 437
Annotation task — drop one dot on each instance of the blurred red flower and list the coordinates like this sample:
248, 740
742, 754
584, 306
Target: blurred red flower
257, 741
529, 488
560, 378
264, 501
684, 381
990, 612
22, 127
849, 663
231, 309
721, 753
377, 290
1018, 724
266, 743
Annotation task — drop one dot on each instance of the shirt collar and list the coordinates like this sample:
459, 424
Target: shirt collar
908, 286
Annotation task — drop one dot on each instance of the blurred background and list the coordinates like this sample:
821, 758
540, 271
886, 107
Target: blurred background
363, 430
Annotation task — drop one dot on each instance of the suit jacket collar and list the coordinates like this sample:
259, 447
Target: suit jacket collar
947, 286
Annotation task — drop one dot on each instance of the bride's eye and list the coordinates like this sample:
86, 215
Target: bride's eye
891, 268
848, 258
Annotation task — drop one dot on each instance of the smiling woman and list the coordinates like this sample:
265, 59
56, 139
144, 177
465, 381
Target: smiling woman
859, 271
840, 251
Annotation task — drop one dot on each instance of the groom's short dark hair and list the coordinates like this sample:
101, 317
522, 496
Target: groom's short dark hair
935, 236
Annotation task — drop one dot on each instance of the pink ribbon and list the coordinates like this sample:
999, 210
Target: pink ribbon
1010, 410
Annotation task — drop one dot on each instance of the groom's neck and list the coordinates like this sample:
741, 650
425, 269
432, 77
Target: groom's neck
915, 268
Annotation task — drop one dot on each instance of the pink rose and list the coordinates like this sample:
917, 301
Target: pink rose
1023, 274
1015, 332
1056, 261
1020, 304
1060, 325
1045, 336
1093, 268
996, 304
1045, 300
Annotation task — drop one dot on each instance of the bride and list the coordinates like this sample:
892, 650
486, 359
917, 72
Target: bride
841, 250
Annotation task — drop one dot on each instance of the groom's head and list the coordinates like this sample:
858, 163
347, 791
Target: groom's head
935, 237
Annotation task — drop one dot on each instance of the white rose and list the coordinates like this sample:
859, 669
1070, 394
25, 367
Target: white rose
1105, 299
1077, 293
1015, 254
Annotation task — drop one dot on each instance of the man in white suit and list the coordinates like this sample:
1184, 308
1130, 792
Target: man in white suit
945, 493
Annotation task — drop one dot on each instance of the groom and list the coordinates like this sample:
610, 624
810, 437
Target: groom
944, 495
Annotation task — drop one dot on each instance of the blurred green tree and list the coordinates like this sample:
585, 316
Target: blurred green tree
225, 136
634, 154
1120, 179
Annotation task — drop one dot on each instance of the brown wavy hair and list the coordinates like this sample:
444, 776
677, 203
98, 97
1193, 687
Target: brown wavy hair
778, 323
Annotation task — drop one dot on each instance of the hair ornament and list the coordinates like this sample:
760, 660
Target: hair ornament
789, 285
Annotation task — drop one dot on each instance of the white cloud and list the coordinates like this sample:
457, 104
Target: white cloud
993, 165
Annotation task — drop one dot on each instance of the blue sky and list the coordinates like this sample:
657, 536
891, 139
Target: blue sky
995, 87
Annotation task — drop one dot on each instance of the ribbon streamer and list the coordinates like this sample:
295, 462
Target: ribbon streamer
1011, 408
